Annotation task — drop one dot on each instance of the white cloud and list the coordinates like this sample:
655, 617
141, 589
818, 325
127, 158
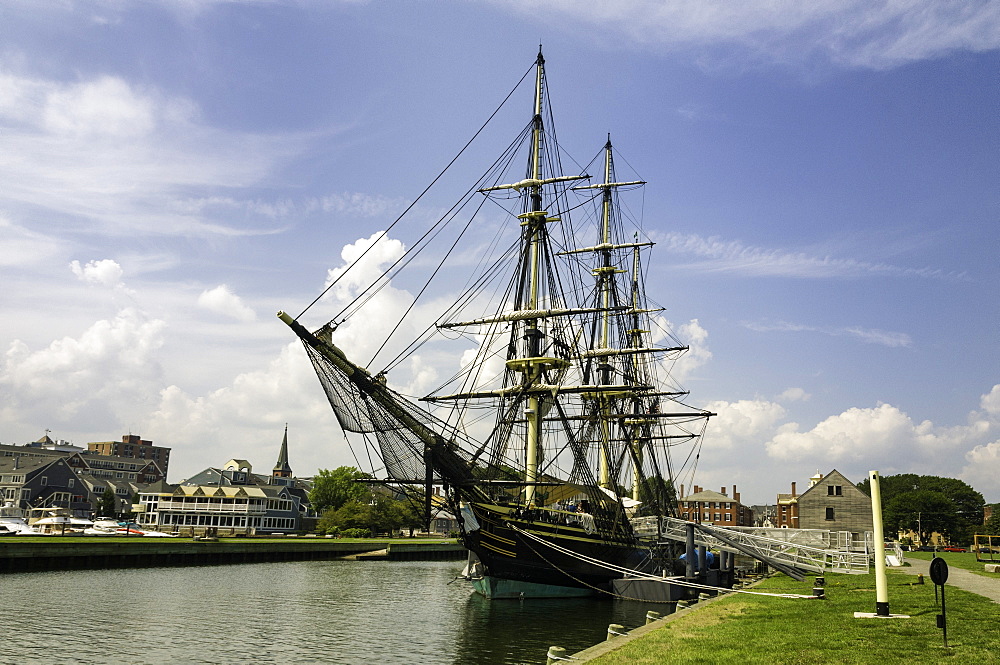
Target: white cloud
365, 260
794, 395
244, 419
374, 315
107, 373
983, 469
863, 33
695, 337
106, 107
883, 435
222, 300
741, 423
990, 402
105, 272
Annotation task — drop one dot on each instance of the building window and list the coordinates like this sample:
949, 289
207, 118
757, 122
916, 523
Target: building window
729, 517
834, 490
829, 513
45, 480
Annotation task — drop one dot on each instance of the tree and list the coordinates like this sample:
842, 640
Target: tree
922, 511
658, 497
333, 489
957, 519
992, 526
107, 504
382, 513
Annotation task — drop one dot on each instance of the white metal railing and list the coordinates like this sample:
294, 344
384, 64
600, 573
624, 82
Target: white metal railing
188, 507
806, 557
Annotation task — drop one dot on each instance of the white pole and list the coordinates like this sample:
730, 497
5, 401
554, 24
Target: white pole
881, 584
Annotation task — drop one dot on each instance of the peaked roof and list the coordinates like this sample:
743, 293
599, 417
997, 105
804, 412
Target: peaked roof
836, 476
707, 495
282, 463
23, 465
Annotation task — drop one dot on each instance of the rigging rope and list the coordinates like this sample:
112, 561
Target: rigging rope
421, 195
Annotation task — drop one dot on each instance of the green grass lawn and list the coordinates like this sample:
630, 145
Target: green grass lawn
751, 630
966, 560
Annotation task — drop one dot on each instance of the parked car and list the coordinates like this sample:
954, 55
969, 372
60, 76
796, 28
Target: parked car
926, 548
952, 548
983, 549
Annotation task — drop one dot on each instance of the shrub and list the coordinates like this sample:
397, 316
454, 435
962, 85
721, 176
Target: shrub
356, 533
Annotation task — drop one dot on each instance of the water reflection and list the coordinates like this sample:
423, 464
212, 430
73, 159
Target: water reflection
303, 612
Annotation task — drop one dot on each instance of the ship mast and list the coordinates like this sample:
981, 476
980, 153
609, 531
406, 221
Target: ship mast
535, 221
605, 277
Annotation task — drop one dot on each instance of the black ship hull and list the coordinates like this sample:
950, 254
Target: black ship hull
543, 553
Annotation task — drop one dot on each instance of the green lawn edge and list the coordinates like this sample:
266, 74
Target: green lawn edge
756, 629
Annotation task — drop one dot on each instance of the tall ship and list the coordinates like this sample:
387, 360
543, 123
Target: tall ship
561, 423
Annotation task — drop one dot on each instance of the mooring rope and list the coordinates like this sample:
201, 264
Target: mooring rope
639, 575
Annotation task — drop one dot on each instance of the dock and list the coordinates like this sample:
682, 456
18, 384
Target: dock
29, 554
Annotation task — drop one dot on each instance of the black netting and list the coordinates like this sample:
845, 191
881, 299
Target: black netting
408, 437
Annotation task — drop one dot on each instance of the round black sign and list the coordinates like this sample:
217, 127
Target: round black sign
939, 571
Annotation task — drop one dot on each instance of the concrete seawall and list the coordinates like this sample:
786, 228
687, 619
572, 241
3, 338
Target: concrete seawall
26, 554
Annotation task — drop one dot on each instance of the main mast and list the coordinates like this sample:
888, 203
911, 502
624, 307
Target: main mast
535, 220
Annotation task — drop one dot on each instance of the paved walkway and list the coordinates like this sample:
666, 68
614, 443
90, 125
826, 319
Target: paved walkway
957, 577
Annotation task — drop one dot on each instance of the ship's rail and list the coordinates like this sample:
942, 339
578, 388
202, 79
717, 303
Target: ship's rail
793, 554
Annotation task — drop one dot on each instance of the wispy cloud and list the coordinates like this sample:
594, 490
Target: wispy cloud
870, 336
108, 157
877, 34
731, 255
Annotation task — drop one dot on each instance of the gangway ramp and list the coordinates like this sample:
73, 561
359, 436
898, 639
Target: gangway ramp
766, 549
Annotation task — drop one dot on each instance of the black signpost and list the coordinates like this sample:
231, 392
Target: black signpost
939, 575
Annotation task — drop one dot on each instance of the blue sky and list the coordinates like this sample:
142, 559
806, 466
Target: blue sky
823, 191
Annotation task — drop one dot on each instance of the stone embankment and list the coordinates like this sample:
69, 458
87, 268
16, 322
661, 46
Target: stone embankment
25, 554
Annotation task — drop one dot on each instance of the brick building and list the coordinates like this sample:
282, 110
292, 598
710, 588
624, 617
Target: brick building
786, 510
718, 508
133, 446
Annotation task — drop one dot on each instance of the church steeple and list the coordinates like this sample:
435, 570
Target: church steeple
281, 468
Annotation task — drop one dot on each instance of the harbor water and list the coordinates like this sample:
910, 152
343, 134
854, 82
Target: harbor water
299, 612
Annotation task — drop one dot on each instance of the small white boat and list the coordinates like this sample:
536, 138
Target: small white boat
62, 524
12, 520
110, 527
